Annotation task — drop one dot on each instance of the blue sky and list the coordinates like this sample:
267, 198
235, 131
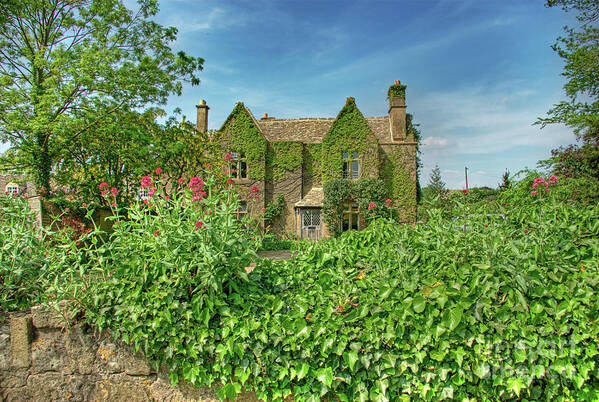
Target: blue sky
478, 72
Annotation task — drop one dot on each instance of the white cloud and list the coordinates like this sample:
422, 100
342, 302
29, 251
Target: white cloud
435, 142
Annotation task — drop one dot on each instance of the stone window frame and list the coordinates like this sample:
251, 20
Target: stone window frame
348, 164
239, 164
351, 209
11, 188
242, 210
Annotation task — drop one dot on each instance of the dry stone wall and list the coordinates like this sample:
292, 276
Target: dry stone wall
50, 356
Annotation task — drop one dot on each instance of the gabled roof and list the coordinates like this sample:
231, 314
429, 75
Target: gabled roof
312, 199
313, 130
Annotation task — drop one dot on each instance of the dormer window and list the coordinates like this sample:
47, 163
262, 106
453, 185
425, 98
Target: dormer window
352, 164
239, 165
12, 189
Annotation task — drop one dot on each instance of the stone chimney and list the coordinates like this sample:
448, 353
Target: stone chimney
397, 110
202, 121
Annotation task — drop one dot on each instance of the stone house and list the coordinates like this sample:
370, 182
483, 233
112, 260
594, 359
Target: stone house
294, 158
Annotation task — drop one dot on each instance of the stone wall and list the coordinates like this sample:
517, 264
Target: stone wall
43, 357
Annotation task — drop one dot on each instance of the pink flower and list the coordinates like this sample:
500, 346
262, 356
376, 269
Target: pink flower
104, 192
158, 171
255, 189
547, 190
525, 231
539, 180
196, 198
209, 212
535, 185
546, 184
167, 197
103, 185
552, 179
230, 181
249, 196
114, 191
535, 192
146, 181
84, 205
146, 201
156, 232
371, 206
181, 181
388, 201
256, 197
232, 170
208, 166
465, 191
199, 224
228, 157
152, 191
114, 205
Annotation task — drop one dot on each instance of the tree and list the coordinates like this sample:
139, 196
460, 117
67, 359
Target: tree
68, 66
505, 181
436, 186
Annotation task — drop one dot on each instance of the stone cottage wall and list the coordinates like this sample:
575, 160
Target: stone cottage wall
43, 359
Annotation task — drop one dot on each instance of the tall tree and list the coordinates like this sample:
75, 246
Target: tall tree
66, 66
436, 185
579, 48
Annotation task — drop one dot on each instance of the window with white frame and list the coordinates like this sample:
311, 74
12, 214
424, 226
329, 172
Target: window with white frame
12, 188
352, 164
239, 168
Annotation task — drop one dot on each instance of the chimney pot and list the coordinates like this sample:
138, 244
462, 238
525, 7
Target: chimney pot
265, 116
203, 102
397, 82
202, 116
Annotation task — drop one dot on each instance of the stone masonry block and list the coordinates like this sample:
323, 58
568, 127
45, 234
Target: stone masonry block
20, 338
49, 317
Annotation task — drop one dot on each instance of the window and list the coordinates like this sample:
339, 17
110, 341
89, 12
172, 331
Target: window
142, 194
351, 217
351, 165
239, 165
12, 188
242, 210
311, 217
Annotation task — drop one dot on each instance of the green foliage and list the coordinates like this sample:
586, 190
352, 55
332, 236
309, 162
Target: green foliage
22, 259
69, 65
313, 161
396, 91
397, 176
436, 185
274, 209
506, 181
284, 156
245, 137
339, 191
349, 133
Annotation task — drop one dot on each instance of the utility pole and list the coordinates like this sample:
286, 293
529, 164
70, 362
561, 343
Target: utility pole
466, 174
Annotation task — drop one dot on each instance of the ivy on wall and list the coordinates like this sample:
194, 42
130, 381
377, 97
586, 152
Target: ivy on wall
338, 191
396, 91
245, 136
413, 132
396, 174
313, 161
284, 156
350, 132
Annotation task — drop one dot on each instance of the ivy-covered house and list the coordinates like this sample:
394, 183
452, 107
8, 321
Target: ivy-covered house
323, 172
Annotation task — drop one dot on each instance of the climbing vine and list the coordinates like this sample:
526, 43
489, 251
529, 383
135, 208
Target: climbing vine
284, 156
363, 191
313, 161
396, 91
245, 137
349, 133
274, 209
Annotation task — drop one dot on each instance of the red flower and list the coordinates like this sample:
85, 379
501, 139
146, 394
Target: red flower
256, 197
196, 198
208, 166
158, 171
103, 185
181, 181
388, 201
156, 232
115, 205
232, 170
525, 231
371, 206
228, 157
84, 205
146, 181
552, 179
465, 191
152, 191
230, 181
199, 225
104, 192
546, 190
249, 196
209, 212
535, 185
255, 189
114, 191
535, 192
485, 225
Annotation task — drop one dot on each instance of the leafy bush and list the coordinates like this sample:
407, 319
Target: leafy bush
22, 259
488, 309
